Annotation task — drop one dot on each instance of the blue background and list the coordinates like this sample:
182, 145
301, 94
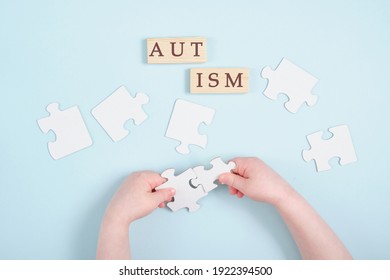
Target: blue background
79, 52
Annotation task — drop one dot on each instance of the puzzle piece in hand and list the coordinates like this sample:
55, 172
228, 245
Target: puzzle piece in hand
186, 195
185, 120
291, 80
340, 145
71, 133
117, 109
206, 178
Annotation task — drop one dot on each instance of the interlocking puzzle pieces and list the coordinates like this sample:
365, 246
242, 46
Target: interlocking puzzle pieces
206, 178
68, 125
117, 109
185, 120
186, 195
340, 145
291, 80
193, 184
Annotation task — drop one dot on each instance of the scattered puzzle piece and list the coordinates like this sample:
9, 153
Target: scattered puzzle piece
117, 109
340, 145
293, 81
71, 133
206, 178
185, 120
186, 196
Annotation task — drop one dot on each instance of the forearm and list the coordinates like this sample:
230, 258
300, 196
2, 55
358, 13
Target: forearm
314, 238
113, 240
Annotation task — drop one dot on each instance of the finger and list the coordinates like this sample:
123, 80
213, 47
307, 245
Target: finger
236, 192
232, 190
153, 179
240, 194
233, 180
240, 165
162, 204
246, 165
160, 196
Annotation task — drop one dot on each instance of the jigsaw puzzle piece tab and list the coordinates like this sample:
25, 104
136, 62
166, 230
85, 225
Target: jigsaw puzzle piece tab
292, 81
69, 127
186, 196
340, 145
184, 122
117, 109
206, 178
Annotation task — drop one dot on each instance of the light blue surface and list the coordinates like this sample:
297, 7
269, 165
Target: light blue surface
78, 52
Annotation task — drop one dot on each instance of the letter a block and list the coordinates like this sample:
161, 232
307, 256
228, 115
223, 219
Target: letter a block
176, 50
219, 80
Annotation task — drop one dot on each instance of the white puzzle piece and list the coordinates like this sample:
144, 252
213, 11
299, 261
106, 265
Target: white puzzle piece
117, 109
291, 80
68, 125
186, 196
206, 178
340, 145
183, 125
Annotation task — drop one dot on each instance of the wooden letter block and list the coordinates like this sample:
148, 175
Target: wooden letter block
219, 80
176, 50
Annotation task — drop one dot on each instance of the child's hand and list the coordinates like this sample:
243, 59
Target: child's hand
253, 178
136, 197
315, 239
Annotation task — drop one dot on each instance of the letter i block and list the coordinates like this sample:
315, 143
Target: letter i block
219, 80
176, 50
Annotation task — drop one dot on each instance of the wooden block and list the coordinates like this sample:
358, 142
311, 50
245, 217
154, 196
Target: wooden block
176, 50
219, 80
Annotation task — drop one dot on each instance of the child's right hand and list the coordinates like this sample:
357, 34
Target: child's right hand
255, 179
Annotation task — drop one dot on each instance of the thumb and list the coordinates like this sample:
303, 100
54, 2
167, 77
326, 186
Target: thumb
233, 180
163, 195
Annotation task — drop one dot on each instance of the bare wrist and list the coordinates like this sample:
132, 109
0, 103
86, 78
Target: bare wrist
285, 194
115, 218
